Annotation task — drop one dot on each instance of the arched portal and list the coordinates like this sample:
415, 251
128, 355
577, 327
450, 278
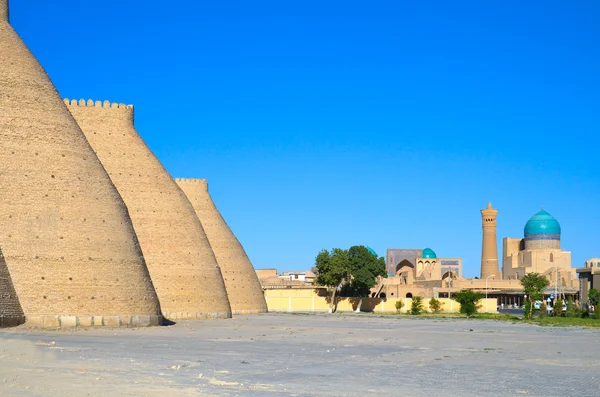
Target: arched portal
403, 266
409, 295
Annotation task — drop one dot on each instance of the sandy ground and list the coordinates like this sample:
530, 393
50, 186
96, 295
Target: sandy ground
304, 355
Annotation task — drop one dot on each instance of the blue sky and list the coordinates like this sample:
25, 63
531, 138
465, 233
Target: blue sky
329, 124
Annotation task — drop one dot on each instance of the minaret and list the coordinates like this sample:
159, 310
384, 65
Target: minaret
489, 247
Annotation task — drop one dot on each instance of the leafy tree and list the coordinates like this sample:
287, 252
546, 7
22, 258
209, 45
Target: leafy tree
435, 305
417, 305
594, 296
333, 271
353, 271
364, 268
468, 301
399, 305
533, 286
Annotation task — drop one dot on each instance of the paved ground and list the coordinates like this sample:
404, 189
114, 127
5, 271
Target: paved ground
304, 355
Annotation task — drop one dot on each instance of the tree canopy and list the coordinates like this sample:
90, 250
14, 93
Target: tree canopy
355, 270
533, 286
468, 301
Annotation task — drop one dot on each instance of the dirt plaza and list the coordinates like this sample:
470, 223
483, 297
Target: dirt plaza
304, 355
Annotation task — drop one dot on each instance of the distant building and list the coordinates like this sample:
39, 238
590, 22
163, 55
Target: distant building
420, 272
271, 279
539, 251
589, 277
300, 275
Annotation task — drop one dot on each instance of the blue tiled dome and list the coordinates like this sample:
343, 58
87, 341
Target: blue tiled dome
542, 223
428, 253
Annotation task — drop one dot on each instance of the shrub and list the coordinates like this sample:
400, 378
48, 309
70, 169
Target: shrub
399, 305
435, 305
572, 309
468, 301
417, 305
558, 304
543, 309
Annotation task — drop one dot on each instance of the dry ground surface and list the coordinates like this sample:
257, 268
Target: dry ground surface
304, 355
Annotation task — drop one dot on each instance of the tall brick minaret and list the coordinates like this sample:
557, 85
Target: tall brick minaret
489, 247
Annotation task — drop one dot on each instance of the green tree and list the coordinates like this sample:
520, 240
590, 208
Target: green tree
533, 286
399, 305
417, 305
468, 301
364, 268
333, 271
594, 300
594, 296
435, 305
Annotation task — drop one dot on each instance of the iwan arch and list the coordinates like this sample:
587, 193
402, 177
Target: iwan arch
93, 230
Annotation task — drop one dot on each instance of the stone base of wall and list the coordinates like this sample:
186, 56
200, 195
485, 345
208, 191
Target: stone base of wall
93, 321
254, 311
11, 321
195, 316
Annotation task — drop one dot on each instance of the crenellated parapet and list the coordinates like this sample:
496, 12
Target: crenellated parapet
197, 183
101, 108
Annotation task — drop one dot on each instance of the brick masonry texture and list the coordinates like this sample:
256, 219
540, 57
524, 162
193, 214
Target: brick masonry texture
67, 239
11, 312
243, 287
182, 265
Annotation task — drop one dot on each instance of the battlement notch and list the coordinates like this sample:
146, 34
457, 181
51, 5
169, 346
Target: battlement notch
115, 109
201, 183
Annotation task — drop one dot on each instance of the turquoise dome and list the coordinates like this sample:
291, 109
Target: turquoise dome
542, 223
428, 253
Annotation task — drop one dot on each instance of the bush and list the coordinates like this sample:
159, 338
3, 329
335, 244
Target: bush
435, 305
558, 304
543, 309
417, 305
468, 301
399, 305
572, 309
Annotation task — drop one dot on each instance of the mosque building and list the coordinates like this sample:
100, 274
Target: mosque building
420, 272
539, 251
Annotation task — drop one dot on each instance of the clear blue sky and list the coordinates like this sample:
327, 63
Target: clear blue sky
325, 124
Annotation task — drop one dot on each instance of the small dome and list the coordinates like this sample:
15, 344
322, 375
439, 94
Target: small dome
542, 223
428, 253
371, 250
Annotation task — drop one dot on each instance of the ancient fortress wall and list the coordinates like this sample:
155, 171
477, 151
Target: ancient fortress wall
182, 265
11, 313
243, 287
67, 238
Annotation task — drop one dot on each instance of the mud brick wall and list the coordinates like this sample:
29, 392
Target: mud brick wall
243, 287
67, 239
181, 262
11, 313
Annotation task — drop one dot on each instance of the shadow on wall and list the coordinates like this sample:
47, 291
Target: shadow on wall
11, 312
366, 304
